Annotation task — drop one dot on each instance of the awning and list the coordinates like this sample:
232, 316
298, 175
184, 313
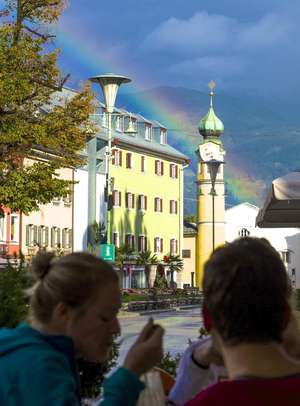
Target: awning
282, 205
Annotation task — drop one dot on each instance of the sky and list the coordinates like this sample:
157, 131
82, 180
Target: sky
244, 46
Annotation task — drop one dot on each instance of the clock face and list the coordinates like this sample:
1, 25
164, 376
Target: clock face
209, 151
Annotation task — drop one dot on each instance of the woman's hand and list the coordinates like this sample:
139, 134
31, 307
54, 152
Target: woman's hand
147, 351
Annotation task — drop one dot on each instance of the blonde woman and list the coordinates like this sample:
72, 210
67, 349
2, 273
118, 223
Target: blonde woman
73, 313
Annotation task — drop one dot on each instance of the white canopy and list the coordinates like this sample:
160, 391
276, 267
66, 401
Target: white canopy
282, 205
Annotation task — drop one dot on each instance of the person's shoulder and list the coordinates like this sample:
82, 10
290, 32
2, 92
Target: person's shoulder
211, 396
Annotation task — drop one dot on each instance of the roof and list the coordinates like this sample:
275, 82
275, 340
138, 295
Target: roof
138, 141
245, 204
189, 228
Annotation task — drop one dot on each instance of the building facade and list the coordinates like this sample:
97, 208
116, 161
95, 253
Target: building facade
241, 222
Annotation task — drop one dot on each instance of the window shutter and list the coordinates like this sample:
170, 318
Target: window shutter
171, 247
132, 242
145, 202
35, 234
133, 200
27, 234
46, 236
113, 157
140, 244
58, 237
176, 207
161, 245
142, 163
171, 206
126, 200
176, 246
114, 197
63, 243
176, 171
52, 236
161, 205
39, 236
140, 202
156, 167
120, 158
119, 194
170, 172
161, 168
127, 160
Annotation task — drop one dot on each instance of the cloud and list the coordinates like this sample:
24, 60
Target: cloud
210, 33
212, 65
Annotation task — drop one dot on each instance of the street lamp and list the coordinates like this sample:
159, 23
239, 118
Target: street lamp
110, 84
213, 167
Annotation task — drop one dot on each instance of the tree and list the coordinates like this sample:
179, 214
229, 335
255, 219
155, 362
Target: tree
175, 264
32, 118
147, 259
191, 218
13, 307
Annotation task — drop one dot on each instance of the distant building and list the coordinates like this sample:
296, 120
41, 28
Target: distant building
240, 222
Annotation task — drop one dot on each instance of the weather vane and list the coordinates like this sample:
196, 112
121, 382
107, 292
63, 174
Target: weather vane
211, 85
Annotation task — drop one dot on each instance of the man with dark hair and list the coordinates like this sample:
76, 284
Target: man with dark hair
246, 294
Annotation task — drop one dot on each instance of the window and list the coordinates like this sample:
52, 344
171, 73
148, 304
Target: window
244, 232
55, 237
129, 200
116, 157
129, 241
119, 123
2, 227
142, 202
43, 236
116, 239
158, 205
158, 245
163, 137
116, 197
14, 228
173, 206
66, 238
143, 164
286, 256
68, 199
173, 246
148, 132
159, 167
173, 171
142, 243
31, 235
129, 160
186, 253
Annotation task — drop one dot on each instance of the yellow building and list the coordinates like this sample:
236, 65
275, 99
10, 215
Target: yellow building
210, 194
147, 187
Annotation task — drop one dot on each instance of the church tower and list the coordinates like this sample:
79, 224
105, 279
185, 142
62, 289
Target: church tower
210, 188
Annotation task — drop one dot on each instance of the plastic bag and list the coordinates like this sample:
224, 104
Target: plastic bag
153, 394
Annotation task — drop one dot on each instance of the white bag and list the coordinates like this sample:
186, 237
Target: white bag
153, 394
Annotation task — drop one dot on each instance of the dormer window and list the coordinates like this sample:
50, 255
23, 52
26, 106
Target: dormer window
104, 119
119, 123
148, 132
163, 136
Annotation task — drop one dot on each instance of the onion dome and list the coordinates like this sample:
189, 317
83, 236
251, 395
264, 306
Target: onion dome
210, 125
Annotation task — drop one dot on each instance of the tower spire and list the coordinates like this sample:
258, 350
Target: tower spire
211, 85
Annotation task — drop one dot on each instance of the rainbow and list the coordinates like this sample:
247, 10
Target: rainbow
90, 55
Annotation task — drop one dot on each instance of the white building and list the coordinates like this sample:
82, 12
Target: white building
240, 222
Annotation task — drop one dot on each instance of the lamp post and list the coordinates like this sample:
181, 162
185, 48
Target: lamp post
110, 84
213, 167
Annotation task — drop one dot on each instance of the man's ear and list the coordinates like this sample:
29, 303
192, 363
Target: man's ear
206, 318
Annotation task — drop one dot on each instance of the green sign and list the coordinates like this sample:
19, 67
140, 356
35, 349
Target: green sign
107, 252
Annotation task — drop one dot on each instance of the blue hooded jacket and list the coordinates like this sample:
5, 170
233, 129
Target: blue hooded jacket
38, 369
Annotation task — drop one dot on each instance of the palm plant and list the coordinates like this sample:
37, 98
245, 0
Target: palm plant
175, 264
122, 255
147, 259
